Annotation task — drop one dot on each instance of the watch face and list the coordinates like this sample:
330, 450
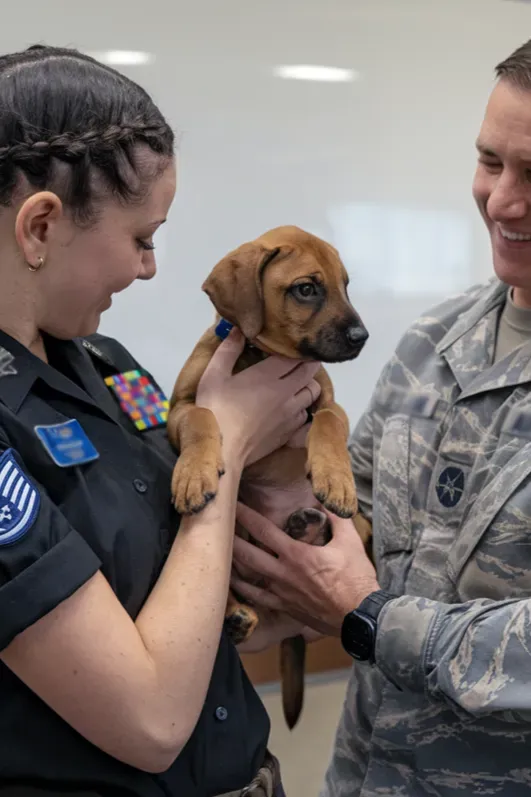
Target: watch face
358, 636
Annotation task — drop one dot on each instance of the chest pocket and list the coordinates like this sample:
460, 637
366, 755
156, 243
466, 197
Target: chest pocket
492, 555
410, 424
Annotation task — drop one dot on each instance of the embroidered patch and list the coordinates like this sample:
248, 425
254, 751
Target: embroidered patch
6, 363
138, 397
450, 486
19, 500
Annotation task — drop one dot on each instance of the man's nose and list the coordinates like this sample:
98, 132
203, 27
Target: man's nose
509, 200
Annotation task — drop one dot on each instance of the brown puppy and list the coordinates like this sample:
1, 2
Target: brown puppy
287, 292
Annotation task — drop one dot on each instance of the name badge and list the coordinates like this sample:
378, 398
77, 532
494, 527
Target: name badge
66, 443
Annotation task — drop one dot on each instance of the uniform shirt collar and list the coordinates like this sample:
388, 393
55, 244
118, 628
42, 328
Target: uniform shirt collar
20, 369
494, 296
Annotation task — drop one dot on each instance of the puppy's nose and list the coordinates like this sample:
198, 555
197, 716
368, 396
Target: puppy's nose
357, 336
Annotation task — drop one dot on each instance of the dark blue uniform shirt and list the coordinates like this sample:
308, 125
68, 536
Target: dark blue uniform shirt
113, 513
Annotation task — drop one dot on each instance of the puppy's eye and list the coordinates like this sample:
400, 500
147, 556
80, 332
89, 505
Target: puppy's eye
304, 290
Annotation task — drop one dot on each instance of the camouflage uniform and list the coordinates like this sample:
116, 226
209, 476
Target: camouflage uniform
442, 460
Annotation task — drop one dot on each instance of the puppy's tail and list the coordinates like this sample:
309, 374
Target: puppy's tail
292, 659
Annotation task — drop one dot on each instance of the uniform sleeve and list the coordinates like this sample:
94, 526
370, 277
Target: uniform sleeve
474, 655
43, 560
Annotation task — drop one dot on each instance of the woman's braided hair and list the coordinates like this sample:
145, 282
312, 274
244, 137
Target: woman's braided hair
59, 106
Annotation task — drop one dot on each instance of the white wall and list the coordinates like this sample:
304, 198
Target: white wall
381, 166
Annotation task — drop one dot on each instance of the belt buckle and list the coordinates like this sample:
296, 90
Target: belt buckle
248, 790
263, 783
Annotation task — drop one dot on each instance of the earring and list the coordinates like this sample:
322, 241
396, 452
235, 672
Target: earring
40, 262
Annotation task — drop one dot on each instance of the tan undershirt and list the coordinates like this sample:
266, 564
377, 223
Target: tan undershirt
514, 328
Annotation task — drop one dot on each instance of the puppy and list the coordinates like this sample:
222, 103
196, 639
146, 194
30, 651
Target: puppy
287, 293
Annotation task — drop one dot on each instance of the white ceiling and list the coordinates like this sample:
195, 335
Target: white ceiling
381, 166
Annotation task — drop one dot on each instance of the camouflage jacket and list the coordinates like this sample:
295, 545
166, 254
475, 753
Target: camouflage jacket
442, 460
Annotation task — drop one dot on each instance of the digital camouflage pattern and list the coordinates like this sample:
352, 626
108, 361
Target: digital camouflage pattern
442, 460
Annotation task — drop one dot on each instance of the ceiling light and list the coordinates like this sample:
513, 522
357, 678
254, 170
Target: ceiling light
123, 57
327, 74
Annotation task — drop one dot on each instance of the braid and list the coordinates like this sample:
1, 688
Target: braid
70, 147
71, 125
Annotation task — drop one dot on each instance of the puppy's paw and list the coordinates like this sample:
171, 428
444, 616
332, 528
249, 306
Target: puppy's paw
241, 623
334, 486
309, 525
195, 481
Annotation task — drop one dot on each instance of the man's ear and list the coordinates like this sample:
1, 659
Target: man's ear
234, 286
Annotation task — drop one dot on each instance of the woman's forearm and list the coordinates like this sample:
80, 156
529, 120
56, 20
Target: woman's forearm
182, 619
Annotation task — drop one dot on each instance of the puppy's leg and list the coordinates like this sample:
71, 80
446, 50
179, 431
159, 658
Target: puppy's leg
313, 527
196, 474
364, 529
194, 433
328, 462
240, 620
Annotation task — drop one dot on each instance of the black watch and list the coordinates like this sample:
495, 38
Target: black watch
358, 632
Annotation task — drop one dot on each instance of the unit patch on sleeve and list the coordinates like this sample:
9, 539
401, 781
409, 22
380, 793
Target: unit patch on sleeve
19, 500
140, 399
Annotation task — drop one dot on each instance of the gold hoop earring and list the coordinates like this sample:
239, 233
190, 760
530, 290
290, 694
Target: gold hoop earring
40, 263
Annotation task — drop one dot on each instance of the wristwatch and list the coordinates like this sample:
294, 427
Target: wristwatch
358, 631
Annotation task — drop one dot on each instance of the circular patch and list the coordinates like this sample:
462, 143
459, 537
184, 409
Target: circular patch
450, 486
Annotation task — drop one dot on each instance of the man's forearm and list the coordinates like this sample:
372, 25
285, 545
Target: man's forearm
475, 655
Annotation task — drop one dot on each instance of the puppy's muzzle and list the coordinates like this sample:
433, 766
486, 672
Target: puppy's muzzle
336, 342
357, 337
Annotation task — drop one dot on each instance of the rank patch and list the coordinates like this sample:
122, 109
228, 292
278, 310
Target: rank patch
19, 500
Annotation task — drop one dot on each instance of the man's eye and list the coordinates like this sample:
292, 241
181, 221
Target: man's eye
491, 166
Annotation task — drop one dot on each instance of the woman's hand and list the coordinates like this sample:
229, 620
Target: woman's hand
259, 409
316, 585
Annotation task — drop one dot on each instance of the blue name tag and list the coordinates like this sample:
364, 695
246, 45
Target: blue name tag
67, 443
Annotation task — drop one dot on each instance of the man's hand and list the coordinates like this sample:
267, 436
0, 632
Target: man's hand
316, 585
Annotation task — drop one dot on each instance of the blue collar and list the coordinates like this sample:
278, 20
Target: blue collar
223, 328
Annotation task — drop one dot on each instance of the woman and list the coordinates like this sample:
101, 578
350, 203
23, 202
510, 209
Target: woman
115, 675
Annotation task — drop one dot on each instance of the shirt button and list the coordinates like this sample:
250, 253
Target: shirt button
221, 713
140, 486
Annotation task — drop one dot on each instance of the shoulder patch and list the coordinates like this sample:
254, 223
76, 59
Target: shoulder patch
19, 500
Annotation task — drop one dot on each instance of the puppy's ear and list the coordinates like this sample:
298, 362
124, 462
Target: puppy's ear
234, 286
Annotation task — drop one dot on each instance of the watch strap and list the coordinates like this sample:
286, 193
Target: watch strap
358, 632
373, 604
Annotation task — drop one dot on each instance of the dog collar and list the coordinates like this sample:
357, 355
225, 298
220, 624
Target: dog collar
223, 328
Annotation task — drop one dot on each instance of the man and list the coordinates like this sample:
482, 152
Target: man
439, 700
